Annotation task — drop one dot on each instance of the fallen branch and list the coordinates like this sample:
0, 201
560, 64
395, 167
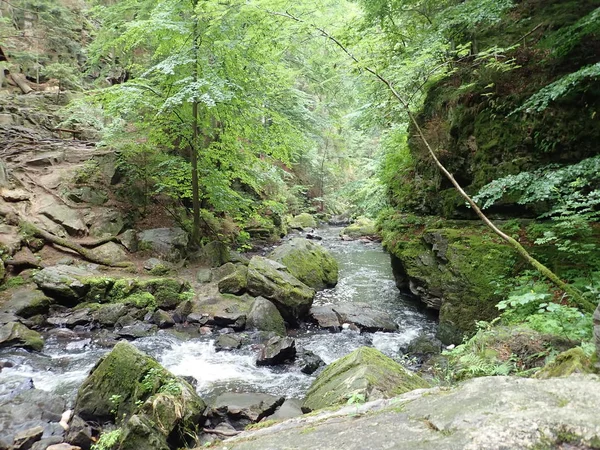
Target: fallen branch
21, 81
575, 295
87, 254
24, 263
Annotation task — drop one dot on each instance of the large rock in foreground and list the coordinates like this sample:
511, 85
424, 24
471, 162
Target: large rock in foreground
365, 372
272, 280
309, 262
153, 404
491, 413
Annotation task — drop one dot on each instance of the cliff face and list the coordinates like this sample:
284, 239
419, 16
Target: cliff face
470, 115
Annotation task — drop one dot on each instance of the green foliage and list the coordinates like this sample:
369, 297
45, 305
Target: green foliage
66, 74
569, 37
108, 441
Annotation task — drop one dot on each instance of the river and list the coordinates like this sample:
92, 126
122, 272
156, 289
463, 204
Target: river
365, 276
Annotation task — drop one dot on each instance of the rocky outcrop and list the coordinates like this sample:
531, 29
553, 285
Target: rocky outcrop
271, 280
309, 262
168, 243
491, 413
213, 254
365, 372
302, 221
362, 315
151, 403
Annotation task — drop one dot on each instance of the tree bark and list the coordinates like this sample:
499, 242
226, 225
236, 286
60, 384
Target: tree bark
194, 147
20, 81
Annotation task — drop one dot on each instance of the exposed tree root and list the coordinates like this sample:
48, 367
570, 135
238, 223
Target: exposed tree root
221, 433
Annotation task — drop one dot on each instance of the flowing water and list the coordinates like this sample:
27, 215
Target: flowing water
365, 276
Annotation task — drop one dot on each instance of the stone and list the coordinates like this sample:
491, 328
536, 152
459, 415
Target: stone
277, 350
148, 394
288, 410
108, 315
105, 222
72, 318
228, 342
309, 262
111, 252
63, 446
245, 408
24, 440
169, 243
204, 275
238, 258
367, 372
573, 361
157, 267
52, 442
222, 310
234, 283
15, 195
27, 302
423, 347
362, 227
162, 319
68, 218
269, 279
302, 221
15, 334
362, 315
4, 180
213, 254
218, 273
62, 282
87, 194
264, 316
308, 362
136, 330
80, 433
128, 239
488, 413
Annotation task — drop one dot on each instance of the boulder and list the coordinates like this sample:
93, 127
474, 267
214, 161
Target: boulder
128, 239
72, 318
228, 342
213, 254
87, 194
269, 279
157, 267
218, 273
423, 347
288, 410
302, 221
366, 372
15, 334
111, 252
169, 243
362, 315
79, 433
15, 195
155, 405
27, 302
107, 315
135, 330
362, 227
309, 262
236, 282
204, 275
242, 409
25, 439
163, 319
222, 310
567, 363
264, 316
308, 362
68, 218
62, 282
277, 350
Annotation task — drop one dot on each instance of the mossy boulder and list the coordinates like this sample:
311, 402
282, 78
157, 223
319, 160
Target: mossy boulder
213, 254
567, 363
236, 282
168, 243
366, 372
270, 279
363, 227
311, 263
264, 316
223, 310
15, 334
452, 269
27, 302
302, 221
151, 404
63, 282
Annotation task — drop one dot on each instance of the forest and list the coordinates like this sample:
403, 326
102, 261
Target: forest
251, 224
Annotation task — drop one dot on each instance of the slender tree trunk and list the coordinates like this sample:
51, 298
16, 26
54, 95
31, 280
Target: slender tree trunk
194, 149
573, 293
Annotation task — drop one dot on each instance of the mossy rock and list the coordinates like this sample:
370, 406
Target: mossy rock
311, 263
567, 363
302, 221
15, 334
213, 254
270, 279
236, 282
27, 302
224, 310
264, 316
361, 227
365, 372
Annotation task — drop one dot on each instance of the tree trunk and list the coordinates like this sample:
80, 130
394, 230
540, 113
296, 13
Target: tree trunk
21, 81
194, 149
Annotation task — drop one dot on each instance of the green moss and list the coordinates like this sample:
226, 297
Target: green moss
567, 363
141, 300
362, 227
13, 282
303, 220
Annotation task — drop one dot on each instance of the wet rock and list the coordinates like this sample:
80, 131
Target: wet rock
204, 275
366, 372
128, 239
157, 267
169, 243
271, 280
163, 319
27, 302
87, 194
242, 409
111, 252
15, 334
302, 221
308, 362
264, 316
136, 330
72, 319
277, 350
222, 310
68, 218
228, 342
309, 262
289, 409
424, 347
213, 254
362, 315
105, 222
236, 282
80, 433
314, 237
24, 440
107, 315
62, 282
